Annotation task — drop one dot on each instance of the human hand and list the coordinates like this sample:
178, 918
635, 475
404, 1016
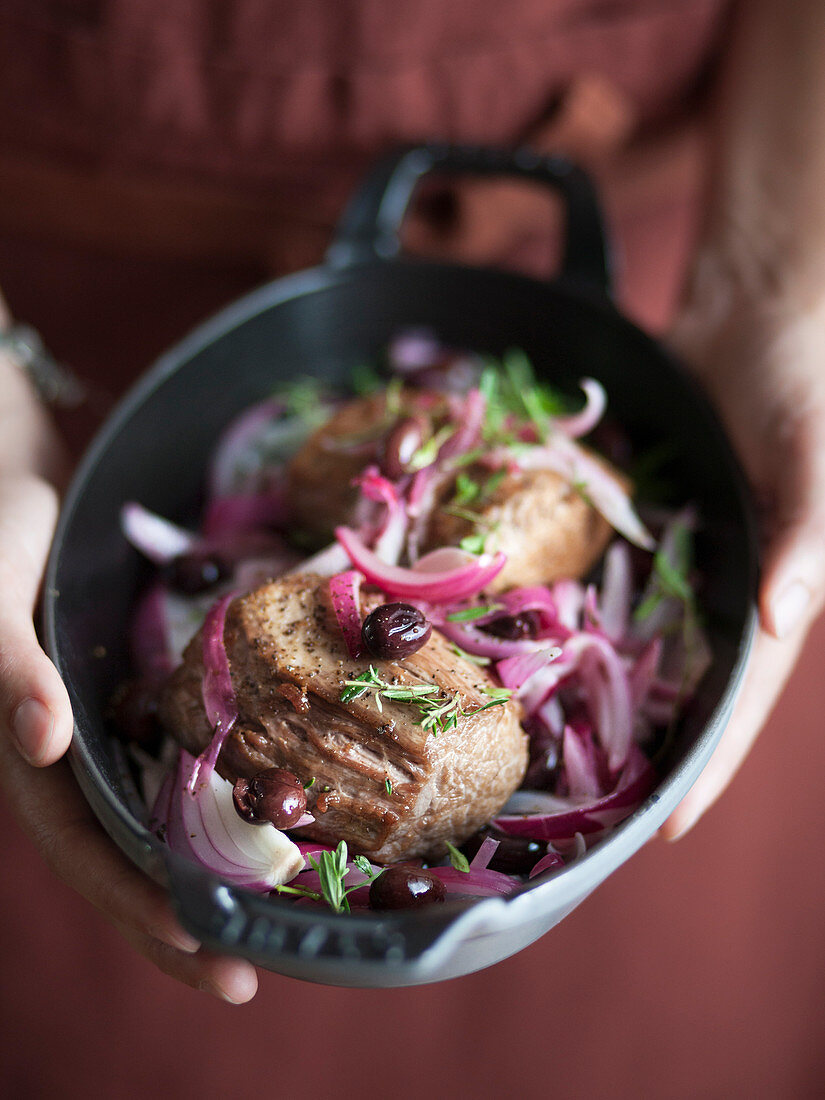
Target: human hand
36, 721
764, 368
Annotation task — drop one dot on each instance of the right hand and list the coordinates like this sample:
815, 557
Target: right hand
36, 721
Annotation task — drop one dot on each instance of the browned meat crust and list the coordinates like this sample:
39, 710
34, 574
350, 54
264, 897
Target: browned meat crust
288, 662
547, 529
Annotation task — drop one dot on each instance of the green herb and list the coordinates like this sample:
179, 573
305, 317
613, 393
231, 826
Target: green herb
514, 397
309, 783
365, 867
332, 870
463, 513
388, 786
458, 859
466, 490
392, 398
473, 658
305, 399
474, 544
468, 614
670, 579
436, 712
365, 380
427, 453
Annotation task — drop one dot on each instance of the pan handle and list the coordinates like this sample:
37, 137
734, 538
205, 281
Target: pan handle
295, 940
370, 225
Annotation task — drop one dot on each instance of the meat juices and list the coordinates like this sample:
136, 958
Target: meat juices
382, 783
547, 529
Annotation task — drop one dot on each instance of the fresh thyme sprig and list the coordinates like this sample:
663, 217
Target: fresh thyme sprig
332, 869
437, 712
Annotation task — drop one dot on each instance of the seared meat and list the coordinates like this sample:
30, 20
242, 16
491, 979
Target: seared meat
547, 529
320, 474
288, 662
544, 526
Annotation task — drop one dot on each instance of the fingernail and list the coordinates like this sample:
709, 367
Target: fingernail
32, 726
789, 608
208, 986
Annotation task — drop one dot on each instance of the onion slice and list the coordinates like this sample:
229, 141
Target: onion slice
155, 537
201, 823
344, 591
566, 817
455, 584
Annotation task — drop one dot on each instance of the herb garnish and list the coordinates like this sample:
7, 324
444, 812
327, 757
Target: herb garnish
332, 870
468, 614
437, 711
458, 859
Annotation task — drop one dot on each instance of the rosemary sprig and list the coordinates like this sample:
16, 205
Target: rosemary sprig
437, 712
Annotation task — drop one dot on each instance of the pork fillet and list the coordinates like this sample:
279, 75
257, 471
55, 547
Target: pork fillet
289, 662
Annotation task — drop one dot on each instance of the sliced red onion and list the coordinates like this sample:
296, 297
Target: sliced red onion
468, 434
389, 540
581, 763
551, 818
568, 596
332, 559
456, 584
201, 823
245, 512
344, 591
472, 640
585, 421
219, 700
151, 651
551, 862
596, 482
481, 860
616, 592
478, 884
643, 673
155, 537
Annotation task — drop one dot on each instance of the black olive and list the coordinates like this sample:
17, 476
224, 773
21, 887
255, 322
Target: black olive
514, 627
394, 631
403, 440
404, 887
514, 856
195, 572
134, 711
274, 795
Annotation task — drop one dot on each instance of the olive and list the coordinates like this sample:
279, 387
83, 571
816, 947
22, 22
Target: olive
402, 441
274, 795
405, 887
395, 630
514, 627
196, 571
515, 855
134, 711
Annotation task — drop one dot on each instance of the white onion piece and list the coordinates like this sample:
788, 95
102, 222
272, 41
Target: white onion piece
582, 422
155, 537
205, 825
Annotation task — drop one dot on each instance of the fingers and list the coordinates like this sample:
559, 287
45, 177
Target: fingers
769, 667
232, 980
54, 813
793, 582
34, 706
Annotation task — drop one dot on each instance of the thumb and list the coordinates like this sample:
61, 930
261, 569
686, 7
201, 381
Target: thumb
34, 705
793, 579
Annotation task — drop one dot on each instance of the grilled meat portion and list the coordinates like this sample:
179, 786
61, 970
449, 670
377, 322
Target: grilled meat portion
544, 525
382, 783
